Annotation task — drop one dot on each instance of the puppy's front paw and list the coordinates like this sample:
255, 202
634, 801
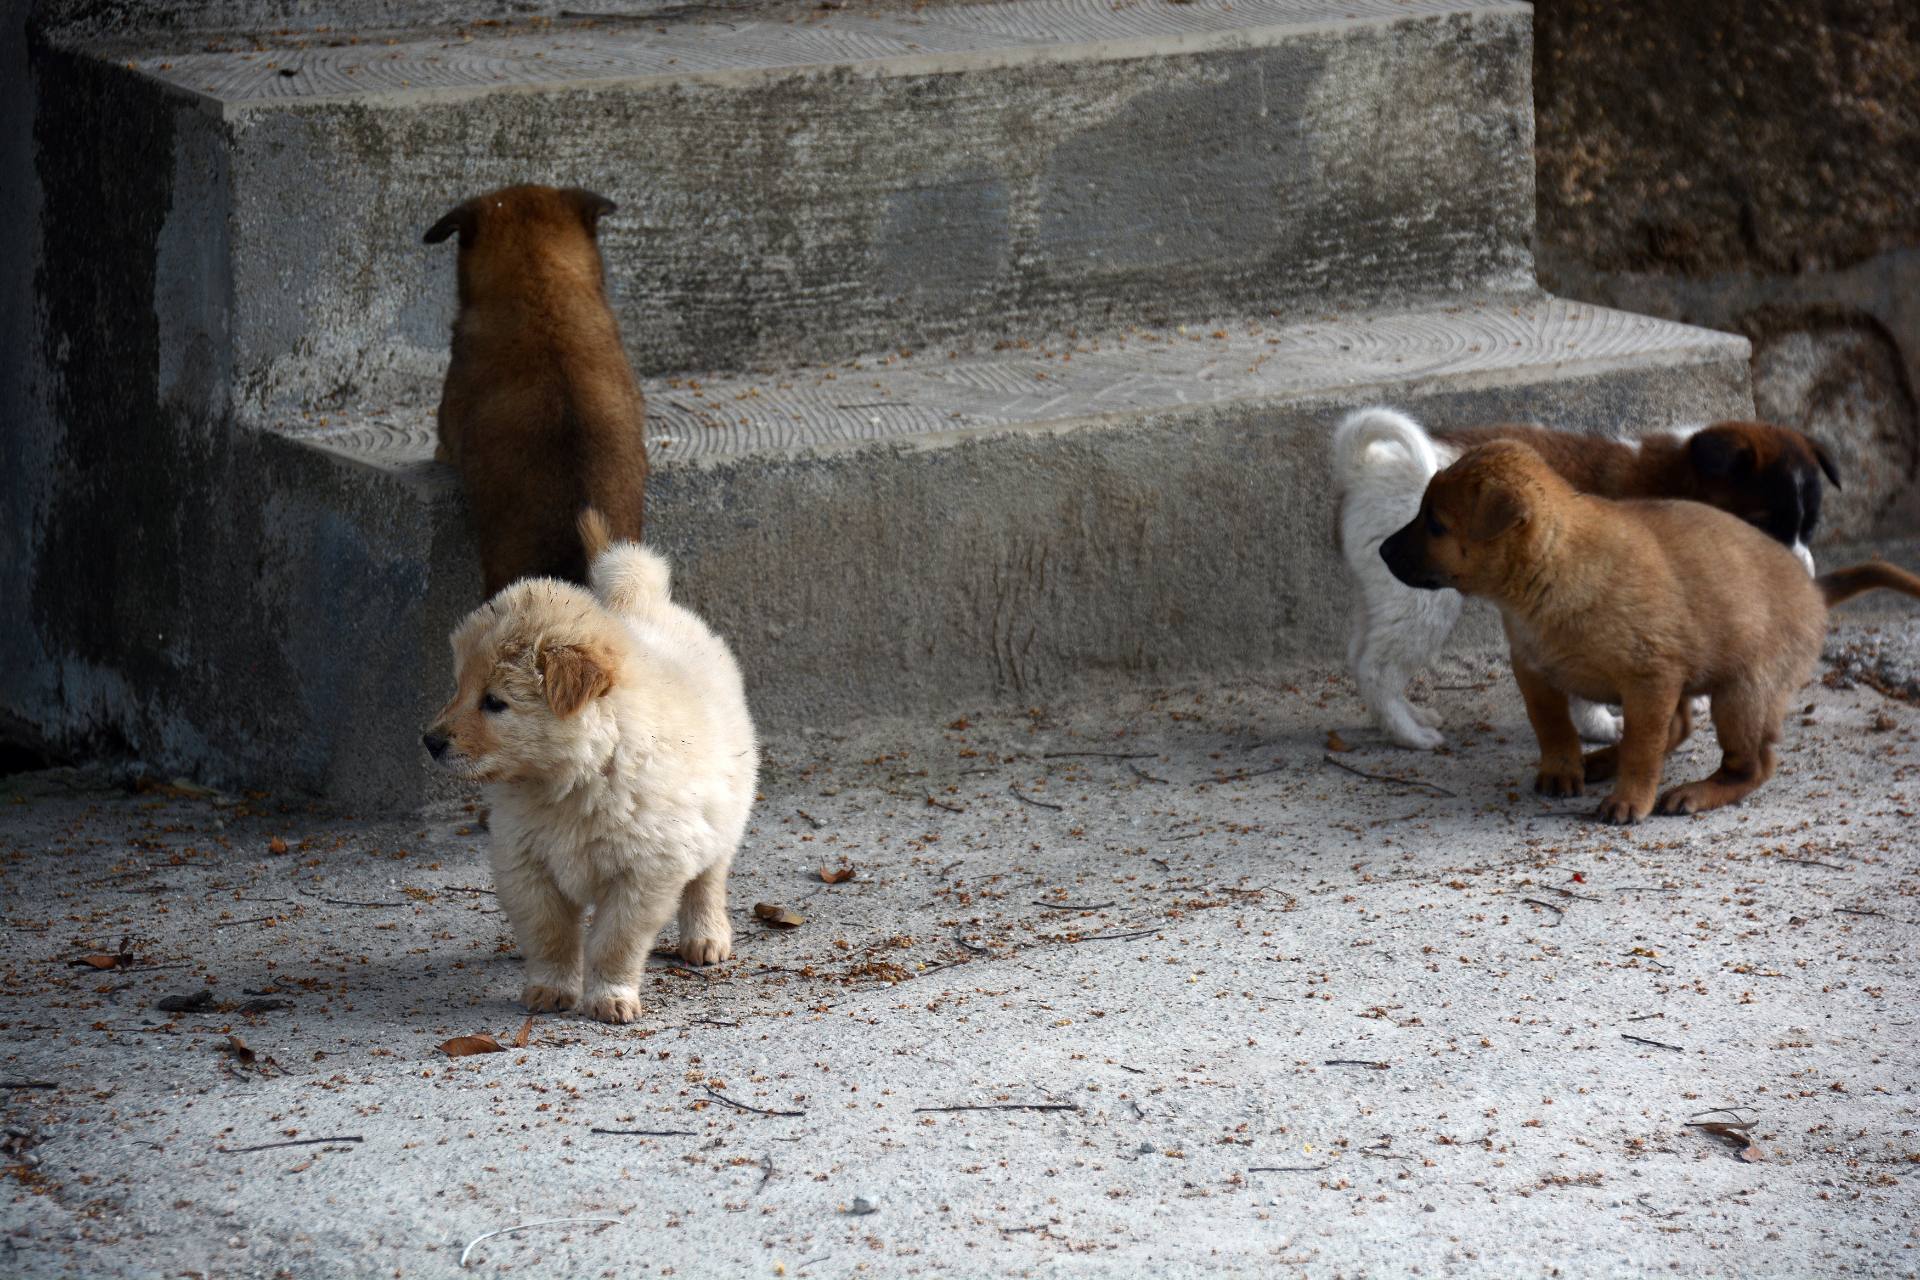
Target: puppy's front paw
1560, 778
1622, 810
540, 998
709, 947
612, 1004
1426, 715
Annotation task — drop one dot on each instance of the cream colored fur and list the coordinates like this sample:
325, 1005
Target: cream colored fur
633, 804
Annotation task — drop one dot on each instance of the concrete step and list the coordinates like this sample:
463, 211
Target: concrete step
803, 190
910, 531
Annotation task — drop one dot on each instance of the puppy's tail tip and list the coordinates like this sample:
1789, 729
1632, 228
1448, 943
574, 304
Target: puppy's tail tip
596, 535
630, 578
1378, 427
1856, 580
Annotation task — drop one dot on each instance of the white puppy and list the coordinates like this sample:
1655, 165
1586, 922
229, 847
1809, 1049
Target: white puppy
611, 731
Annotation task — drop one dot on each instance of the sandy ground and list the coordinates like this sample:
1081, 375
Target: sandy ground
1135, 984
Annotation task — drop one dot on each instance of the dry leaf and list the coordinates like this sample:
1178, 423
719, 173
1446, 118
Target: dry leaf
521, 1036
467, 1046
118, 960
238, 1048
1336, 743
777, 916
276, 845
834, 875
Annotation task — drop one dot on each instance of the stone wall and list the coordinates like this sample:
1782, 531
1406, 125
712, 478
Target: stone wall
1752, 165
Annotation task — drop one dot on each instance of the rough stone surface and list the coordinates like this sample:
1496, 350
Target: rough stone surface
1309, 1023
866, 182
1727, 135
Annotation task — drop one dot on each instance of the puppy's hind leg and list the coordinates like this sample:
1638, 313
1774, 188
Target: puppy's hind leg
546, 924
627, 919
1748, 723
1401, 633
706, 936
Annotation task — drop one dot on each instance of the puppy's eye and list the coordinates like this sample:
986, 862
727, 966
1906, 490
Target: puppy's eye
1434, 527
491, 704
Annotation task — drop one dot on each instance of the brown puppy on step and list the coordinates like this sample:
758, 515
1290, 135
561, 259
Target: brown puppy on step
1643, 603
540, 415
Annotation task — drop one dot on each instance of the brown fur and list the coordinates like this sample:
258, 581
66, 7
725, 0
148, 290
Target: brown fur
1643, 603
540, 414
1767, 475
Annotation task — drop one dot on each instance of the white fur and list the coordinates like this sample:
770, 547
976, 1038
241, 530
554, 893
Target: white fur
633, 805
1382, 461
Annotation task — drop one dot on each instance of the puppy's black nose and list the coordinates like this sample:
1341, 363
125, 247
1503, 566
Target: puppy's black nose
435, 743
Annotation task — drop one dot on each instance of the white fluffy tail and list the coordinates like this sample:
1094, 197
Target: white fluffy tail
628, 577
1385, 444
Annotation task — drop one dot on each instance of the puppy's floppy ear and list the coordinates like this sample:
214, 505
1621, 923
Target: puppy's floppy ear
1496, 509
591, 205
573, 676
1718, 453
1825, 460
463, 217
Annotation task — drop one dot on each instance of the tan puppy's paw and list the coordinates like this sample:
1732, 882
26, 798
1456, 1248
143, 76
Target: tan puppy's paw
709, 948
610, 1004
540, 998
1622, 810
1694, 797
1560, 778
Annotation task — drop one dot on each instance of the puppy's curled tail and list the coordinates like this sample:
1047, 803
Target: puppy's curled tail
1370, 440
1856, 580
626, 576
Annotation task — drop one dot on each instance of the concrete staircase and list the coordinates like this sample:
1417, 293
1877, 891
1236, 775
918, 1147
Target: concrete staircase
986, 346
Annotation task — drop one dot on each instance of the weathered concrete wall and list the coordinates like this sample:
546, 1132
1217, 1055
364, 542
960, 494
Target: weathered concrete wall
1752, 165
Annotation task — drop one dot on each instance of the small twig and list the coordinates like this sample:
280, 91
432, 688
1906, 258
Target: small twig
1381, 777
948, 869
1813, 862
349, 902
228, 924
463, 888
296, 1142
28, 1084
1288, 1168
1014, 787
1462, 688
241, 897
646, 1133
968, 946
714, 1022
1007, 1106
1242, 776
721, 1097
1071, 906
817, 823
1654, 1044
1143, 775
1568, 893
766, 1163
1115, 937
1558, 912
942, 804
1138, 1071
526, 1226
1856, 911
1642, 1017
1104, 755
1355, 1062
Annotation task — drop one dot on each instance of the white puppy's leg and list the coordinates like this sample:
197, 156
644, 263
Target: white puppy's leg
706, 936
1383, 685
626, 921
547, 927
1595, 722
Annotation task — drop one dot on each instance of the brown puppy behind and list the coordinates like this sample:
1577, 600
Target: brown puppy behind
540, 415
1644, 603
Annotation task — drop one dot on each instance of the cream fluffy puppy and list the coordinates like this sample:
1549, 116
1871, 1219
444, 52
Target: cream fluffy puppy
610, 729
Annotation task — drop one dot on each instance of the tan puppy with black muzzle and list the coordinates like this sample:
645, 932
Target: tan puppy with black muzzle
1641, 603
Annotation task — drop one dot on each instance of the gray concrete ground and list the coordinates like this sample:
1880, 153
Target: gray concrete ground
1267, 1015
